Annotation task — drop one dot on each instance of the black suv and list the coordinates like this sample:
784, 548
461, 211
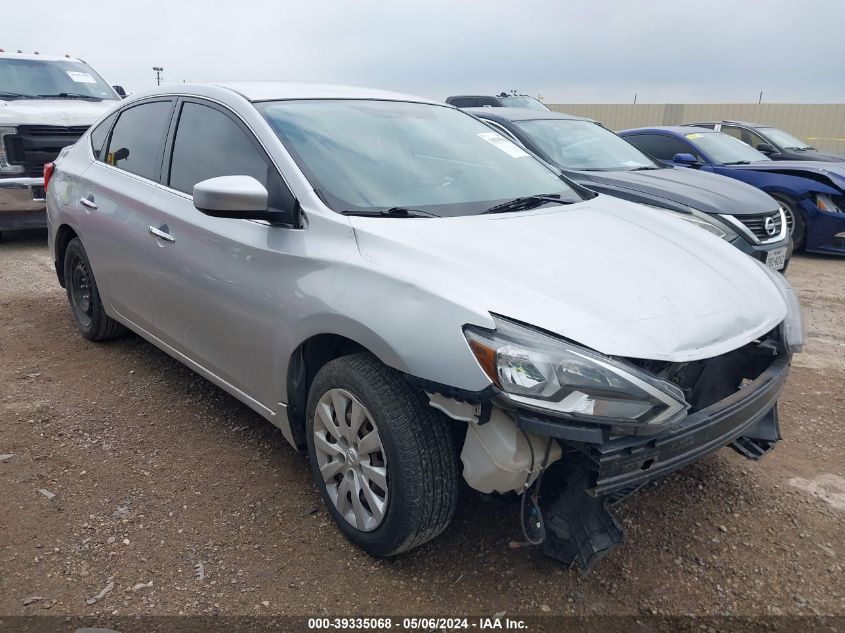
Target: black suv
774, 143
502, 100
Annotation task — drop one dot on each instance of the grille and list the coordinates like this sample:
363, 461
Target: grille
757, 224
35, 145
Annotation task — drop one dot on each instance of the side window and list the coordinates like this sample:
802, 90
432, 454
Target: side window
98, 136
209, 144
709, 126
488, 102
137, 140
463, 102
734, 131
660, 146
754, 139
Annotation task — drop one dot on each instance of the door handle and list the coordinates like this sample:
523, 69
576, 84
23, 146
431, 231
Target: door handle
88, 202
162, 234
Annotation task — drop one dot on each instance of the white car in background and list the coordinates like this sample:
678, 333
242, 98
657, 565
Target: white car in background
46, 104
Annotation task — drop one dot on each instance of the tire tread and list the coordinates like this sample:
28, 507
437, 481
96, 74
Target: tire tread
423, 437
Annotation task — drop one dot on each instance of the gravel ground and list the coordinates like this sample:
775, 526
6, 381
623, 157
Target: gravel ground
137, 487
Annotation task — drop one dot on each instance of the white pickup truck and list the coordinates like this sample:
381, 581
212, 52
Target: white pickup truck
46, 103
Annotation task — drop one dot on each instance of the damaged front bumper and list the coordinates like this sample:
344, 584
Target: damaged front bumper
600, 471
746, 420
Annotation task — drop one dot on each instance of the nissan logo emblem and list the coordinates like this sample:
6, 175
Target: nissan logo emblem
770, 226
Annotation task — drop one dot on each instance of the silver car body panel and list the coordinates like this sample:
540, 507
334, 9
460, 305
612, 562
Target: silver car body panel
233, 299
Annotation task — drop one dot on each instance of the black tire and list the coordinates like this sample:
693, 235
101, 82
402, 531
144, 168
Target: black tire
799, 227
423, 475
84, 298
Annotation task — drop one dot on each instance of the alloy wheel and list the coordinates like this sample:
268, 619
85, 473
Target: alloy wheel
351, 458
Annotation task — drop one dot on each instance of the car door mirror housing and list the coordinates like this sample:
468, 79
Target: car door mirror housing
239, 197
687, 160
765, 148
120, 90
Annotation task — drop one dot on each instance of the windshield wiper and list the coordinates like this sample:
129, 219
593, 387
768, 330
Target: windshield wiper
525, 202
14, 95
69, 95
738, 162
643, 168
392, 212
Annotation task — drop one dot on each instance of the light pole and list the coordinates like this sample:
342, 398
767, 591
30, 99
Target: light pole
158, 70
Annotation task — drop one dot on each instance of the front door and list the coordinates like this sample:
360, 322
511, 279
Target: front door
217, 279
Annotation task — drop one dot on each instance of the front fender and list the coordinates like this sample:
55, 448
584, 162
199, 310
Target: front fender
406, 326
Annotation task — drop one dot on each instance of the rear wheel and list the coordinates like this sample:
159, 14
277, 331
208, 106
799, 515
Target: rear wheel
382, 458
84, 298
795, 222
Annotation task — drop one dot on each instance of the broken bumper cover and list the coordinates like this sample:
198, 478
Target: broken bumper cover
746, 420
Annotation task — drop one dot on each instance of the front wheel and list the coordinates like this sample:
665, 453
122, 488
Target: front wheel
795, 222
382, 458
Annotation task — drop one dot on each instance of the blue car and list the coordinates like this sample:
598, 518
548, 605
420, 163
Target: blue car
813, 193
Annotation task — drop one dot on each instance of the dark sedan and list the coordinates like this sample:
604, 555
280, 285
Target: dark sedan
598, 159
774, 143
812, 192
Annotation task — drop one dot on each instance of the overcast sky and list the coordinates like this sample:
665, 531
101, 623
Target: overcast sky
572, 51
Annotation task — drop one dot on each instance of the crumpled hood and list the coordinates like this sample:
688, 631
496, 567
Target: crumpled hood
614, 276
834, 171
704, 191
63, 112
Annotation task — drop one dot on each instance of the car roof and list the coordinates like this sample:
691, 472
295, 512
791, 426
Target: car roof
273, 90
473, 97
731, 121
681, 130
256, 91
523, 114
39, 57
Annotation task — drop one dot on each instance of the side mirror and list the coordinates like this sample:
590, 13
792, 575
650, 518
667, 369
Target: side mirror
687, 160
120, 91
240, 197
121, 154
765, 148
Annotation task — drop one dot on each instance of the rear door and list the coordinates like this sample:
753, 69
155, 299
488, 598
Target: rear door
115, 213
216, 279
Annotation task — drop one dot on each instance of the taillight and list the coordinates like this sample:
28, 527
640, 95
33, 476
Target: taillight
48, 173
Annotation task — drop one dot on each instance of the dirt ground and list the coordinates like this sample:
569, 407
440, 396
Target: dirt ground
189, 503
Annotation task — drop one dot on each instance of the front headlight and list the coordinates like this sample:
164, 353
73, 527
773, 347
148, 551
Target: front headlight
831, 204
539, 371
702, 221
5, 167
793, 328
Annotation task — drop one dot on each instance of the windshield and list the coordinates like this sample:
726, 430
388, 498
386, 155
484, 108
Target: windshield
41, 79
782, 139
365, 155
726, 149
584, 145
524, 102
